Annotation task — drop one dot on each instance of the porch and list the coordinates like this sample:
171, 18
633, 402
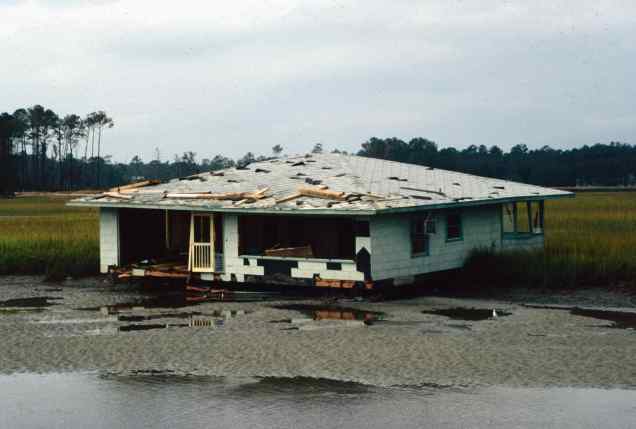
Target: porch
304, 250
168, 244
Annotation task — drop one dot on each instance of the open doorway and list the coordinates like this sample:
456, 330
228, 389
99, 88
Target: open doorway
206, 243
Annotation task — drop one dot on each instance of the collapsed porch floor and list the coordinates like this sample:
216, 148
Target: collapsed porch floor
175, 269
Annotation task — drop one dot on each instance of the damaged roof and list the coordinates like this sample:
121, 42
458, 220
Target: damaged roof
321, 183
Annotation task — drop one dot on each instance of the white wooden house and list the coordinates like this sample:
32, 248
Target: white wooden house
321, 219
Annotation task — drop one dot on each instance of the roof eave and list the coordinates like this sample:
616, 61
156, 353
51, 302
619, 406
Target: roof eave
246, 210
474, 203
323, 211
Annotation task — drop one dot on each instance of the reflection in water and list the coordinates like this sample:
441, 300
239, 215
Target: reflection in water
620, 319
37, 301
469, 314
167, 400
332, 312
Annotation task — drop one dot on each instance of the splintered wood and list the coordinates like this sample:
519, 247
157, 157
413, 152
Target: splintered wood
319, 192
232, 196
289, 198
134, 186
116, 195
322, 193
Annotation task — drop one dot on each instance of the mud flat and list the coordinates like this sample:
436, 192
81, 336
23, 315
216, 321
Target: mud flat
89, 325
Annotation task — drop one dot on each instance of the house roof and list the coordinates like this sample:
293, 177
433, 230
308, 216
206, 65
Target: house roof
368, 186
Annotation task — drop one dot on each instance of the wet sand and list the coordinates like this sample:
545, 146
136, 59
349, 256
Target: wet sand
410, 346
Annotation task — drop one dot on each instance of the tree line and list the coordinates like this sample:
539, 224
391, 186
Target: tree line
612, 164
41, 150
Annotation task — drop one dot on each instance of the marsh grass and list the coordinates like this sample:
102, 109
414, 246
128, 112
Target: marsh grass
590, 241
43, 236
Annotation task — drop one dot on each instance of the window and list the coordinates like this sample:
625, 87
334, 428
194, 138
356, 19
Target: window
421, 227
536, 217
522, 218
453, 226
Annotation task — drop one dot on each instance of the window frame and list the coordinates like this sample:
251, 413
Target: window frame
534, 215
460, 237
426, 219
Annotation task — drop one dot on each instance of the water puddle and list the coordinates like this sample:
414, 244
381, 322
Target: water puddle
468, 314
149, 327
193, 323
228, 295
175, 301
331, 312
75, 321
50, 289
160, 301
32, 302
140, 318
620, 319
13, 311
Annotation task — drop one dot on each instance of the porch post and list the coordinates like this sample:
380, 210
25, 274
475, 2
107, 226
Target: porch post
167, 229
212, 253
191, 244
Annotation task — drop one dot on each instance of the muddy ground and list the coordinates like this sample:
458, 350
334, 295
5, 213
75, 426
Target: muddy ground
91, 325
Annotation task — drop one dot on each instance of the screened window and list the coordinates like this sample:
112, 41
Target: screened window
421, 227
453, 226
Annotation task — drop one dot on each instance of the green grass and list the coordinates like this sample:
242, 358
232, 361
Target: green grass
42, 236
590, 241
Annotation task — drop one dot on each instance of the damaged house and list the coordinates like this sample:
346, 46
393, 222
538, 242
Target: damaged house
318, 220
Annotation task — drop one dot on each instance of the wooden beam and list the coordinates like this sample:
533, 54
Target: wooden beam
143, 191
289, 198
232, 196
135, 185
116, 195
338, 284
322, 193
165, 274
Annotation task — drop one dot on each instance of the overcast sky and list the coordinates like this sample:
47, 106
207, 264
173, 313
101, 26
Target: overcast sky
235, 76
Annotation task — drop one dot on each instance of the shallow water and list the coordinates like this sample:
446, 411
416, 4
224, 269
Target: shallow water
332, 312
468, 314
168, 401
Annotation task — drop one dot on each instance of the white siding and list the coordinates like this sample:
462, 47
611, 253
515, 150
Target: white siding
391, 242
108, 238
234, 264
363, 242
307, 269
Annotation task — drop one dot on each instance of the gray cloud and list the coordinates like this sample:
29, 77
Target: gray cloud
232, 79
